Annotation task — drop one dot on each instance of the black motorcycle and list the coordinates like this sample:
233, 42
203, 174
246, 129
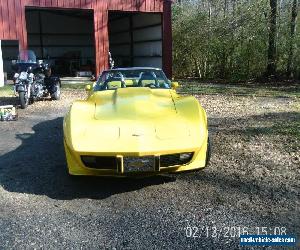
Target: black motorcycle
33, 79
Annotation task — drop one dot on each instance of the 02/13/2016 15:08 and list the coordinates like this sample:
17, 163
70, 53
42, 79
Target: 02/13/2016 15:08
192, 231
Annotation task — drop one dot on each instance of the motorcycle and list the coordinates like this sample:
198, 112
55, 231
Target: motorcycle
33, 79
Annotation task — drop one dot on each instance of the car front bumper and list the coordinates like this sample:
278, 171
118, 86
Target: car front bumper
76, 165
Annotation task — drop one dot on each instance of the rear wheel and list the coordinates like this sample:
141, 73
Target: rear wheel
56, 94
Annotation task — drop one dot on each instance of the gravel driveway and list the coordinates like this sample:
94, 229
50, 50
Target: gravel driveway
253, 182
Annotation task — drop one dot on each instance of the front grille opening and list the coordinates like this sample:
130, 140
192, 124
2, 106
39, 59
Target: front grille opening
100, 162
175, 159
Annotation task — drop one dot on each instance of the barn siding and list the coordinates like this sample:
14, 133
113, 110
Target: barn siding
13, 23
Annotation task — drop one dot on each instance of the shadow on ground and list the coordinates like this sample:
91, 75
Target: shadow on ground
8, 101
38, 166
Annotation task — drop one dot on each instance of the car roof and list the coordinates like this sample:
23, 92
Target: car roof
134, 68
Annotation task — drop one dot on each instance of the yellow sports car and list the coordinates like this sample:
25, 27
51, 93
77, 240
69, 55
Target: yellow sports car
134, 123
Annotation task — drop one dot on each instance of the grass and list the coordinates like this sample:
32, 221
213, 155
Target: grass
193, 87
292, 128
6, 91
75, 86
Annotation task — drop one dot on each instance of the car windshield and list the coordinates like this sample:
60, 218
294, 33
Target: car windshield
128, 78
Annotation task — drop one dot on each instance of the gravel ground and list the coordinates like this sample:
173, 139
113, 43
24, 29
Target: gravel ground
253, 181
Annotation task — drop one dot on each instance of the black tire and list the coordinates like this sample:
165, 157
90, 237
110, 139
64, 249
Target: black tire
208, 152
56, 95
23, 100
73, 177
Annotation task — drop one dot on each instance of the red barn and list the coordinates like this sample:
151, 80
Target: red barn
77, 35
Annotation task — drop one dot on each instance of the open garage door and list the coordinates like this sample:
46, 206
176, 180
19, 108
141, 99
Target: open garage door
65, 38
9, 51
135, 39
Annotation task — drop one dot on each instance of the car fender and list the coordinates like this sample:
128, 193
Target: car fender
190, 108
76, 119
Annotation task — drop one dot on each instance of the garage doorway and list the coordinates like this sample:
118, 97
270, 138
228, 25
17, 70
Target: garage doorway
64, 38
10, 51
135, 39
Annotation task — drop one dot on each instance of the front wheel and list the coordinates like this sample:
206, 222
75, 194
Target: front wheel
208, 152
56, 95
23, 99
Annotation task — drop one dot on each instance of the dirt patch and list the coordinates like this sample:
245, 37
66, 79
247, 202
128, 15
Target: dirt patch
253, 181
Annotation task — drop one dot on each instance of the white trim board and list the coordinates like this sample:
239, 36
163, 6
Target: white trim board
1, 68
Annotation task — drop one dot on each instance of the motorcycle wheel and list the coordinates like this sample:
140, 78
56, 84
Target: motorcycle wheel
23, 100
56, 94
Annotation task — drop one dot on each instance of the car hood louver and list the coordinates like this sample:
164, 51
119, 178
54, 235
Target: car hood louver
134, 104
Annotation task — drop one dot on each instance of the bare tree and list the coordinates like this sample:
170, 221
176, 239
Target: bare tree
271, 68
292, 37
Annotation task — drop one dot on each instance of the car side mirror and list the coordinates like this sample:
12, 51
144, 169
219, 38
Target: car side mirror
175, 85
88, 88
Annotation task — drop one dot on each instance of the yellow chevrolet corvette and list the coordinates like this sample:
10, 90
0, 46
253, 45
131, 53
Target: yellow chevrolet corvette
134, 123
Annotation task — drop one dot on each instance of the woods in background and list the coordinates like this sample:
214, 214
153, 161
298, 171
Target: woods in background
236, 39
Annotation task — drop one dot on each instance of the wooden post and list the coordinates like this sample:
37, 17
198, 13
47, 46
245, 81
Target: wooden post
22, 30
101, 40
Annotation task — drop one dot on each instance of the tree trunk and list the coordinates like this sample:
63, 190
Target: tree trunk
198, 68
271, 68
209, 35
225, 8
205, 68
292, 38
233, 7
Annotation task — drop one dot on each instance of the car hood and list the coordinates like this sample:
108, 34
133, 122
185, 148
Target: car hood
131, 120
